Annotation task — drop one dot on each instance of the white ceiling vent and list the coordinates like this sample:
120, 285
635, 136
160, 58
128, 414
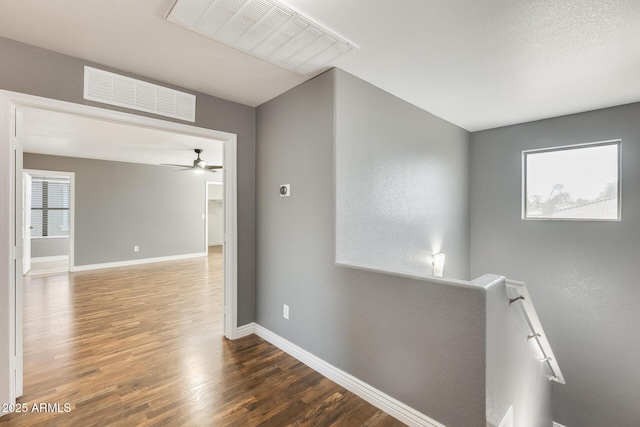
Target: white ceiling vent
265, 29
114, 89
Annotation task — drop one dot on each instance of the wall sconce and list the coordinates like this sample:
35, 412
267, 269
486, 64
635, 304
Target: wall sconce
438, 264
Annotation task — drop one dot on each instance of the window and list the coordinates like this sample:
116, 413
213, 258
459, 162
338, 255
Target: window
49, 207
579, 182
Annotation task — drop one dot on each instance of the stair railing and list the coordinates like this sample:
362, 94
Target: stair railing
519, 294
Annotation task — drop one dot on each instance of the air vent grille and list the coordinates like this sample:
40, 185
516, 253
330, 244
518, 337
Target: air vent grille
265, 29
114, 89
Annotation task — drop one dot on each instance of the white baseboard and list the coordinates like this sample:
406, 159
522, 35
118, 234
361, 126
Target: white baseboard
358, 387
555, 424
216, 243
135, 262
246, 330
50, 258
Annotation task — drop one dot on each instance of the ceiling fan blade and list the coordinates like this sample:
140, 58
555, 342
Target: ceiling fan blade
178, 166
212, 167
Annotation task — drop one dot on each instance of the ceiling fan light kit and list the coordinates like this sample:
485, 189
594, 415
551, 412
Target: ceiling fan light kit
265, 29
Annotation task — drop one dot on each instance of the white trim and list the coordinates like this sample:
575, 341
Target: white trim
382, 401
555, 424
136, 262
50, 258
18, 291
17, 98
216, 243
246, 330
9, 252
230, 246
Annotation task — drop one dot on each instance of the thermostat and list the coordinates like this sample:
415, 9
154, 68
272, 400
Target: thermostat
285, 190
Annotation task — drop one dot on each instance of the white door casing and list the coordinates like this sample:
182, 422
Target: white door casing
20, 241
26, 222
11, 243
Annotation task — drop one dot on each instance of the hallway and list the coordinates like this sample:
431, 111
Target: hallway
143, 345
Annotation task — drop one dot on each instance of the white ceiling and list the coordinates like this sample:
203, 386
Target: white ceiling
478, 64
62, 134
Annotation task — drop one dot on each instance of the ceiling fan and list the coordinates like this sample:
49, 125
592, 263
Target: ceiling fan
199, 165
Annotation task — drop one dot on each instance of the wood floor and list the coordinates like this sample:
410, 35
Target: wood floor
143, 346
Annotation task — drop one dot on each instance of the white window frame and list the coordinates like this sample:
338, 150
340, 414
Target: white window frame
43, 209
525, 153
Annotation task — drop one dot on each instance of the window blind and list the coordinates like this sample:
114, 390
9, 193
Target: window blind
49, 207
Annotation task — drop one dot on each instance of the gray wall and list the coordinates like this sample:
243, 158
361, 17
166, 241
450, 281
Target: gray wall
402, 183
583, 276
515, 376
40, 72
49, 246
419, 341
119, 205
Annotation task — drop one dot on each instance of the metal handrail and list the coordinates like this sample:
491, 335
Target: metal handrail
522, 294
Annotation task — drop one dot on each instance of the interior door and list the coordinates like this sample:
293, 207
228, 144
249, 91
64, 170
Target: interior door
26, 223
20, 239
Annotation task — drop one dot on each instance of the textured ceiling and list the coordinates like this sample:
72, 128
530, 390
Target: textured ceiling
478, 64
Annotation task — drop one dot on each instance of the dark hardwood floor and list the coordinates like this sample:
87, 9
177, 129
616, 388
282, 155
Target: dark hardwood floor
143, 346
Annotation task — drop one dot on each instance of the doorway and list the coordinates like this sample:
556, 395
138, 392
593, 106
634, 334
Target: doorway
11, 255
214, 227
48, 221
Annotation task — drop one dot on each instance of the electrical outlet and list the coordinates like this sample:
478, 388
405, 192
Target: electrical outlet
285, 311
136, 248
